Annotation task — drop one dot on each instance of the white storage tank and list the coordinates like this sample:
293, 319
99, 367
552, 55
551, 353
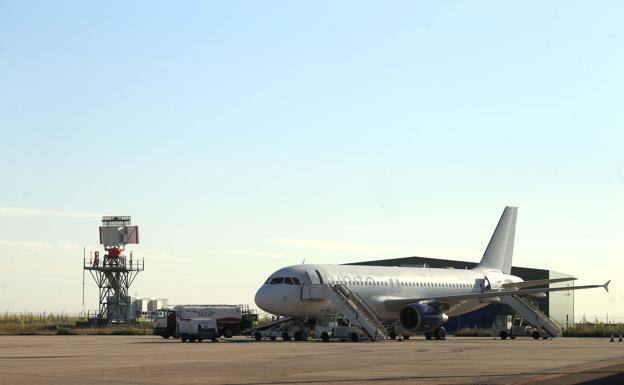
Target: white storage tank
154, 304
142, 305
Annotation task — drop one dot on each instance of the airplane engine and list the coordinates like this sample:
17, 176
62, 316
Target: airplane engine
421, 318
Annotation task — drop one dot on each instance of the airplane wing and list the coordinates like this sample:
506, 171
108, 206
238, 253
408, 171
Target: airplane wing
398, 304
537, 282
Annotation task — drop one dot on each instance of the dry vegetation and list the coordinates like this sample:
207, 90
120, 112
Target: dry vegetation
580, 330
594, 330
52, 324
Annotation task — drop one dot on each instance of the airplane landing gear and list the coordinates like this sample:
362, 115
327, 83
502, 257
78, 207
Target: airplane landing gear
438, 334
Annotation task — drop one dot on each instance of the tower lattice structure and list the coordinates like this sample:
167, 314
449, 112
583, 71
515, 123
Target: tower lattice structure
114, 273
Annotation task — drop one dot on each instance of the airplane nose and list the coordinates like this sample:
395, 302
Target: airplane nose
263, 299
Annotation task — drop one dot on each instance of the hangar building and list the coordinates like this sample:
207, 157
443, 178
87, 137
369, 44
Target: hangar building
558, 305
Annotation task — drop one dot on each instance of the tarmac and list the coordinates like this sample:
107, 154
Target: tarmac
461, 360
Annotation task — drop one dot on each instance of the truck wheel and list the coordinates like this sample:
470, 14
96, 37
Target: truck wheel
272, 338
354, 337
535, 334
406, 337
183, 339
191, 339
165, 336
440, 334
428, 336
503, 335
258, 336
392, 335
200, 339
285, 336
325, 336
215, 339
300, 336
227, 332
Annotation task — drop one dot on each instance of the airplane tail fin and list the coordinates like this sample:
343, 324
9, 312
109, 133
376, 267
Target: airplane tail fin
499, 252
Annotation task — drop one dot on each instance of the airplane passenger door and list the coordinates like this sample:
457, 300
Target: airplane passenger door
311, 291
315, 277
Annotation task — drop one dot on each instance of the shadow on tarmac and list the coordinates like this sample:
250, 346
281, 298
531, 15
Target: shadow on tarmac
616, 378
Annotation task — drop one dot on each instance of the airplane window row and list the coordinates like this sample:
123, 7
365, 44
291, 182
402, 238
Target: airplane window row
405, 284
283, 281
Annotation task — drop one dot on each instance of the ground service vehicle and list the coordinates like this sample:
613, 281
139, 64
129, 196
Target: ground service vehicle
326, 328
230, 319
198, 329
505, 326
336, 328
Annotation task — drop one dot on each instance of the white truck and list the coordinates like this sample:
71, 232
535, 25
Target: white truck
331, 327
198, 329
506, 326
230, 319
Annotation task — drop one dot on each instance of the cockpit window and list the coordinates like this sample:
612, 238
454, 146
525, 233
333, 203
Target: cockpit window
282, 280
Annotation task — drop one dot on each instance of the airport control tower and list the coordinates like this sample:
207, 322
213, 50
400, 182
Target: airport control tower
114, 272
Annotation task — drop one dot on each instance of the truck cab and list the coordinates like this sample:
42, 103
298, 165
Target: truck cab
165, 323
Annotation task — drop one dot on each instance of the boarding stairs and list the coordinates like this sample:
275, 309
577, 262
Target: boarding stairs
350, 305
533, 316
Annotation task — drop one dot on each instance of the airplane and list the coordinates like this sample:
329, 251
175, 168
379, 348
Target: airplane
420, 299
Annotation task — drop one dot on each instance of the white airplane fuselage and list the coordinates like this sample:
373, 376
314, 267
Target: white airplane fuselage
375, 285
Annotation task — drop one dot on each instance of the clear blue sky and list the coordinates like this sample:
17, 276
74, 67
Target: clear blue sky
245, 136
